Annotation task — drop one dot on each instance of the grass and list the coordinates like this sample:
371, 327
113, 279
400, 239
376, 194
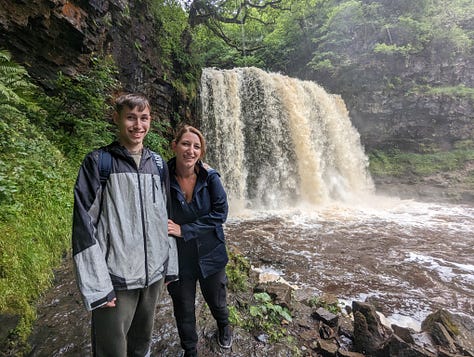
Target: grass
399, 164
35, 228
36, 182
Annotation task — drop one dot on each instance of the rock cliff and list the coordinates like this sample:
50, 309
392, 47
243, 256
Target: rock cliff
48, 36
416, 104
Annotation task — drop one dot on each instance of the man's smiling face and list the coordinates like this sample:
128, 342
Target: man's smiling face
133, 126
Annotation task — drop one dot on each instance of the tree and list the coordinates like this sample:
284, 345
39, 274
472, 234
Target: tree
216, 14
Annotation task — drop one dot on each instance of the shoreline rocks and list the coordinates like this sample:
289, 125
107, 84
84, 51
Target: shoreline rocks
362, 333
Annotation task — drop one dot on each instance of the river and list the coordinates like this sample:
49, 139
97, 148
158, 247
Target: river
405, 257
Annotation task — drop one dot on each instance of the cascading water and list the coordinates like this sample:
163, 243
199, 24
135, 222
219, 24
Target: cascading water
303, 204
278, 141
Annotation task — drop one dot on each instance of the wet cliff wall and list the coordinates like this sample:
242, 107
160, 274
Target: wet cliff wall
48, 36
416, 103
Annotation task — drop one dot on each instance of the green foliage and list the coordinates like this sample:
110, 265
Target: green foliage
261, 315
237, 272
16, 91
173, 39
211, 51
397, 163
240, 40
156, 139
172, 20
383, 48
460, 91
35, 200
235, 318
268, 317
80, 108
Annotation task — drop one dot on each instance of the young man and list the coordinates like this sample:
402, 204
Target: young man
121, 248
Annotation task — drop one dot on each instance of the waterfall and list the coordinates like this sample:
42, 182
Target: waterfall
279, 141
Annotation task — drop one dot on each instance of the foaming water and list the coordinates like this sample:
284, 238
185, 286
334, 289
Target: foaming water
406, 257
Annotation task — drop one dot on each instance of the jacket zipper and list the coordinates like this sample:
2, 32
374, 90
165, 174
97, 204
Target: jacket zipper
153, 188
143, 228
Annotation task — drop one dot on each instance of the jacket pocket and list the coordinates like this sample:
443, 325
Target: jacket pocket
214, 261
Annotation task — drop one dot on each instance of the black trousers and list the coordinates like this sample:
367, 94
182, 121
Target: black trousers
183, 294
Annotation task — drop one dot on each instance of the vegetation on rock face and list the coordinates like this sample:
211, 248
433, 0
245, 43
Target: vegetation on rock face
399, 164
35, 182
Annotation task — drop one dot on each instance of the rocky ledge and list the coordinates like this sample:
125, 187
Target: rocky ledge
455, 187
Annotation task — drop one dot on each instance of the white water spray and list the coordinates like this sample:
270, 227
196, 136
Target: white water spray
279, 141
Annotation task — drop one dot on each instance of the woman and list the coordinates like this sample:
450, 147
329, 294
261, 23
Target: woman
198, 210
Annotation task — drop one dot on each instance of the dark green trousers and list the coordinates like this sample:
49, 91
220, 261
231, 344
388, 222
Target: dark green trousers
126, 329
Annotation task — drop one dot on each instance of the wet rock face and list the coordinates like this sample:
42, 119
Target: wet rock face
51, 36
394, 103
454, 333
7, 323
48, 36
411, 123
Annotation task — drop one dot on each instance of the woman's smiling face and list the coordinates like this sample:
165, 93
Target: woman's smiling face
188, 149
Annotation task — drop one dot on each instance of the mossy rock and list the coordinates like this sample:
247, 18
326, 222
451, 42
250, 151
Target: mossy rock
443, 317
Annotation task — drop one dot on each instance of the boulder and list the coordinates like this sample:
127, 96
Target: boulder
369, 333
451, 332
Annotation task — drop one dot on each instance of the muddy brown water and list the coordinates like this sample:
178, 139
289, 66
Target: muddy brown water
407, 258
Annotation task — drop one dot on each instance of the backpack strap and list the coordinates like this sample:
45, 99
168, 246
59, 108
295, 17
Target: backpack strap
105, 166
164, 178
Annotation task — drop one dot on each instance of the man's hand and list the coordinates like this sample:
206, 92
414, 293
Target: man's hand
110, 303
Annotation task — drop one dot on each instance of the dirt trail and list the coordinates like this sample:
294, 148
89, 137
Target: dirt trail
63, 326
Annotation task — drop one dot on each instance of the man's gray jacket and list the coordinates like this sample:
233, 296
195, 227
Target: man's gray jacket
120, 231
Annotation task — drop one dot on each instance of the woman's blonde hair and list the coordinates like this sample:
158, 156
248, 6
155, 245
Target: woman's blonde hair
191, 129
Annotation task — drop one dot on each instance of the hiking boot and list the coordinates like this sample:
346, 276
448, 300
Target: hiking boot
224, 336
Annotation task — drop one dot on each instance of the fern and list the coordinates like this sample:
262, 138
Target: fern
16, 90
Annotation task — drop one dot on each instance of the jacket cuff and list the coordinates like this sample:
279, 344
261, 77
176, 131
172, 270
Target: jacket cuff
171, 278
98, 303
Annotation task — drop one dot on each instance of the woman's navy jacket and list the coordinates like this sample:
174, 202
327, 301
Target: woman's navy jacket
202, 246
